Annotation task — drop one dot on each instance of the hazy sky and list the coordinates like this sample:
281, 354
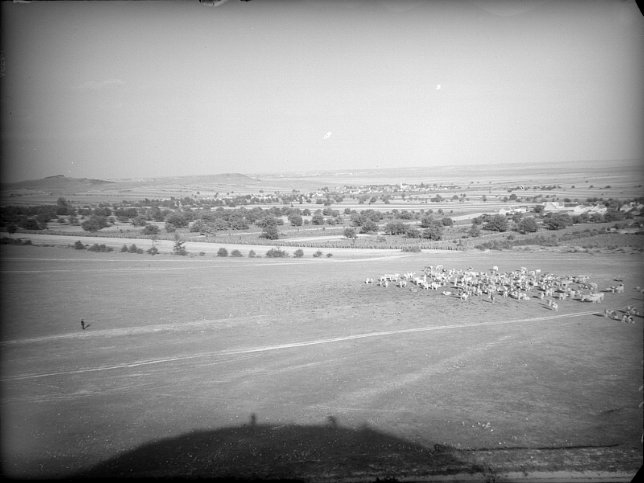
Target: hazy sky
132, 89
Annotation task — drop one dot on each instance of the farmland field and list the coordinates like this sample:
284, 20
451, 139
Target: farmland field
296, 368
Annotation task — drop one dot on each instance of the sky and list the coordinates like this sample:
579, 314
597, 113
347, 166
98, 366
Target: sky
103, 89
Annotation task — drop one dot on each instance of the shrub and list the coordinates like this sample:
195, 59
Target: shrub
299, 253
133, 248
329, 255
413, 249
222, 252
124, 249
79, 245
251, 254
447, 221
317, 254
276, 253
153, 251
236, 253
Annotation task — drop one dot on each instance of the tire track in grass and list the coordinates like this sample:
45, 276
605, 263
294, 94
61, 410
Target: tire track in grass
291, 345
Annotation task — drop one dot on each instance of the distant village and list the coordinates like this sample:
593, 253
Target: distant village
518, 200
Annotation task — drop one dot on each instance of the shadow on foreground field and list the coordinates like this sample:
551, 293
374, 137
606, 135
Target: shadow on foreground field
293, 452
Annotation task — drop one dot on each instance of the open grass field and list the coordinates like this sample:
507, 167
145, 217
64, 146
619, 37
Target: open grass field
210, 366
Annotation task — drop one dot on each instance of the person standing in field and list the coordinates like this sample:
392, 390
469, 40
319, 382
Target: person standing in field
82, 324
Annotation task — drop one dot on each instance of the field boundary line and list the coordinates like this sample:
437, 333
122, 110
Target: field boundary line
292, 345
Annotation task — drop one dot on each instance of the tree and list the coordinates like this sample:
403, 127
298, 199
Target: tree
62, 206
270, 232
179, 248
199, 226
177, 219
350, 233
94, 223
557, 221
139, 221
475, 231
447, 221
395, 228
426, 221
433, 232
369, 226
497, 223
317, 219
102, 211
299, 253
412, 232
528, 225
150, 230
295, 219
222, 252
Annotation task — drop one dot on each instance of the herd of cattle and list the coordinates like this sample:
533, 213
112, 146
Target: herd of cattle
521, 284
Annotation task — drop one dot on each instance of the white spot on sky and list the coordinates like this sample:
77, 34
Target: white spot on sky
438, 87
328, 135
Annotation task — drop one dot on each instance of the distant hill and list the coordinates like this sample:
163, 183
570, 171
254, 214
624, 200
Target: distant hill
57, 183
61, 183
